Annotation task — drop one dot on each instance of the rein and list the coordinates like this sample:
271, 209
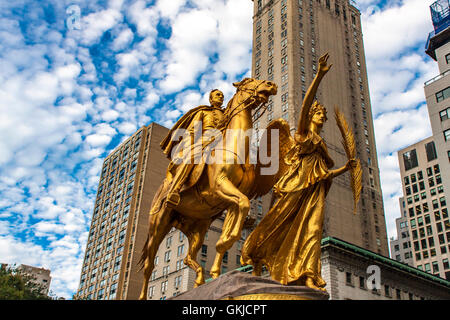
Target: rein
230, 115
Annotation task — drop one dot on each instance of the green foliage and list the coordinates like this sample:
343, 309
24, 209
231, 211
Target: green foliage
15, 285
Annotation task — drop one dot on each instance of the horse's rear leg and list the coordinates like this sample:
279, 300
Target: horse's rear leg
234, 220
159, 226
196, 237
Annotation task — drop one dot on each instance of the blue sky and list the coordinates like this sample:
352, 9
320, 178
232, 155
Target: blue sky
72, 89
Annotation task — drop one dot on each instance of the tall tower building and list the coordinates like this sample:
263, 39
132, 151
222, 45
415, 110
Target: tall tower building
289, 36
130, 176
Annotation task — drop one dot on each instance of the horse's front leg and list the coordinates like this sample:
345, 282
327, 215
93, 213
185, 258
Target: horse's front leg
234, 220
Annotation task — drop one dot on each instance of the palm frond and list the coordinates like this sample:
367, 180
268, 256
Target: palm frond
348, 142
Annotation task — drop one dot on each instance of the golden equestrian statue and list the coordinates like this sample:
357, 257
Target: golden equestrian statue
287, 240
192, 196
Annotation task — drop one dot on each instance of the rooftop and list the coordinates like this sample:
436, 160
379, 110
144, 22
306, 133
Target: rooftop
440, 15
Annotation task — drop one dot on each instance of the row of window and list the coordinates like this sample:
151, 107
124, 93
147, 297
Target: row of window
101, 294
413, 178
164, 286
166, 269
434, 266
388, 290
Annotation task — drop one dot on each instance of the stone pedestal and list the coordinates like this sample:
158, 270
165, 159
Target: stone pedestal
236, 285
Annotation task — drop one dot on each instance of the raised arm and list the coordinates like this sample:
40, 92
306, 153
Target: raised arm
311, 93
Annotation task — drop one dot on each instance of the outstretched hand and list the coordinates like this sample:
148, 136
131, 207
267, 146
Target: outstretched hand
351, 164
323, 66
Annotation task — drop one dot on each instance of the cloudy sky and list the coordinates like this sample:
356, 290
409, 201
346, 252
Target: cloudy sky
77, 77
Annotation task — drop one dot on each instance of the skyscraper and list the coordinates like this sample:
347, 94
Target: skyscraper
130, 176
288, 39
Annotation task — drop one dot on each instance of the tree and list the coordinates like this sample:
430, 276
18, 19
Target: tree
16, 285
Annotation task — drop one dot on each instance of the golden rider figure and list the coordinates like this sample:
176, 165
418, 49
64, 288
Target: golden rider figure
287, 240
208, 118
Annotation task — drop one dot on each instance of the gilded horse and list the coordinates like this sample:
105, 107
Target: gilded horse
221, 186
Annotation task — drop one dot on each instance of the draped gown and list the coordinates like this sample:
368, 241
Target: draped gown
288, 239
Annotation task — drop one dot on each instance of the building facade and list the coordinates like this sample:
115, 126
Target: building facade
401, 246
354, 273
426, 206
130, 176
39, 276
437, 90
289, 36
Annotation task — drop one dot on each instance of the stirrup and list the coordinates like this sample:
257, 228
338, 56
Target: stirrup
173, 199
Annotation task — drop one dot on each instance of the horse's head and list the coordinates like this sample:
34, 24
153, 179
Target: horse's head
255, 91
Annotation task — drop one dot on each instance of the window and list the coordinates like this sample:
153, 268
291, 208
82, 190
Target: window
410, 159
430, 148
387, 291
447, 135
431, 182
164, 286
435, 266
362, 282
444, 114
178, 280
442, 201
167, 256
204, 250
348, 278
168, 242
398, 294
180, 250
447, 58
421, 185
443, 94
419, 175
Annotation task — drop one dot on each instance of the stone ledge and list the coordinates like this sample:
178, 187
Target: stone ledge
237, 285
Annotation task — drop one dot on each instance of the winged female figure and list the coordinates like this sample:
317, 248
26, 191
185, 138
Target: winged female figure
287, 240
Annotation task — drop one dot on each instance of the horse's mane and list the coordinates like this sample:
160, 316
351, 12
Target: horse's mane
238, 86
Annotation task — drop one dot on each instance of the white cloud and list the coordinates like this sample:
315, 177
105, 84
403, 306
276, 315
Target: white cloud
127, 128
410, 25
95, 24
144, 18
170, 9
193, 39
123, 39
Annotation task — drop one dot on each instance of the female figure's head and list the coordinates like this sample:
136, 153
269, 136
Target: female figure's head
317, 116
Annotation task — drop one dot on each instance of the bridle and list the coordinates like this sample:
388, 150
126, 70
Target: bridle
252, 97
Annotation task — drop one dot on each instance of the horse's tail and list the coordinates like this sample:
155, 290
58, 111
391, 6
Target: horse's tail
144, 254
